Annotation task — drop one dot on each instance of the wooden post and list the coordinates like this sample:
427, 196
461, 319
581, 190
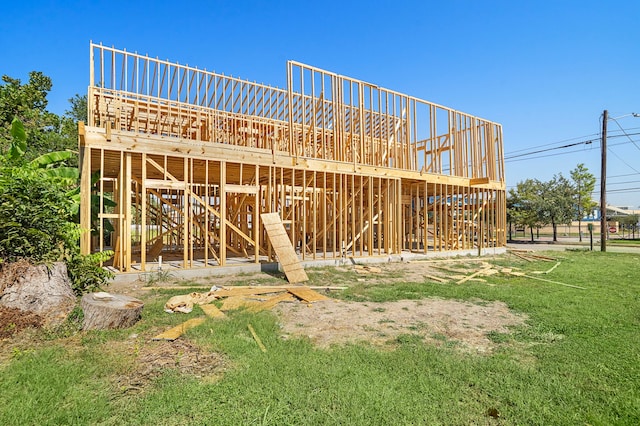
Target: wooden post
223, 213
603, 183
85, 191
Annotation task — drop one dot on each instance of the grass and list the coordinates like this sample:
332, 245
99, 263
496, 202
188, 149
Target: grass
624, 241
577, 361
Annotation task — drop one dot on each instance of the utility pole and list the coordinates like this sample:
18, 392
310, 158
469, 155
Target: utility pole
603, 184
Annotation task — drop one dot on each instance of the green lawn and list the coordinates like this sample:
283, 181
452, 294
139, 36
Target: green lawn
576, 361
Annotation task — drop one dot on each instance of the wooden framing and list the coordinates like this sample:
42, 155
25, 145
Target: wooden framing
191, 158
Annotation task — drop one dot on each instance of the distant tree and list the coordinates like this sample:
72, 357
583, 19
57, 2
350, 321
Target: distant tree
535, 204
584, 182
557, 202
45, 131
77, 112
627, 222
524, 204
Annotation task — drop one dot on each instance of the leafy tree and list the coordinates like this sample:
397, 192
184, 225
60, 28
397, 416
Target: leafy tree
46, 131
584, 182
627, 222
525, 204
558, 202
77, 112
535, 203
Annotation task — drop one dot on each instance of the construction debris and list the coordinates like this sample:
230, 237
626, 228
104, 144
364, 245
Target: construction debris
254, 299
363, 270
256, 338
483, 271
529, 256
547, 281
462, 275
177, 331
549, 270
436, 278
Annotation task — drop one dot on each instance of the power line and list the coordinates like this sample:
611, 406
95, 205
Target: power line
585, 137
553, 143
620, 158
550, 149
617, 176
542, 156
625, 182
622, 190
623, 131
513, 158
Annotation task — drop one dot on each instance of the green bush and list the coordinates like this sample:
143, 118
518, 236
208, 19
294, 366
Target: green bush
36, 216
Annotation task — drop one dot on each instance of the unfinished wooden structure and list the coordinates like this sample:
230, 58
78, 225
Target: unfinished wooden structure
178, 163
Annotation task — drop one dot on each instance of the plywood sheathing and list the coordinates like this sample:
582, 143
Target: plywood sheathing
284, 250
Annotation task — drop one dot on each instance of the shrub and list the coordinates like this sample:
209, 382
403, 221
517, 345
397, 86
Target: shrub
36, 217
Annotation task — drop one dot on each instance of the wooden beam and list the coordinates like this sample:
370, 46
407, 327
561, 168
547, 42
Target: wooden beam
478, 181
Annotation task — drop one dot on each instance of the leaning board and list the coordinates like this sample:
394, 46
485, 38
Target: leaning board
283, 248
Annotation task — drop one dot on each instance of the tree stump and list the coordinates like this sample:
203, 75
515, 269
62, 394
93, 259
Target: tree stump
39, 289
106, 311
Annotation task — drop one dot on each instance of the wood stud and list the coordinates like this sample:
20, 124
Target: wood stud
193, 158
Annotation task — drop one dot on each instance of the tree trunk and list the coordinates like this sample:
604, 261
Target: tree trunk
531, 230
105, 311
580, 229
555, 232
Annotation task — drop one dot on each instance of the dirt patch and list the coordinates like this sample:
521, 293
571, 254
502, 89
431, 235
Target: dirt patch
151, 359
435, 321
14, 320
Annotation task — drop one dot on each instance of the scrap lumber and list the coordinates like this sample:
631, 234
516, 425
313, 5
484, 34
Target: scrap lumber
552, 268
273, 301
256, 338
246, 291
520, 274
271, 288
212, 311
541, 257
177, 331
521, 256
529, 256
548, 270
306, 294
435, 278
237, 302
284, 249
363, 270
475, 274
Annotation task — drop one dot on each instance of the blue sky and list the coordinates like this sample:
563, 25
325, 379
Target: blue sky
543, 69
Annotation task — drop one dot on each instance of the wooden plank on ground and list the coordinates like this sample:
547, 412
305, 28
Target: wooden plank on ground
177, 331
237, 302
212, 311
284, 250
475, 274
306, 294
256, 338
435, 278
246, 291
273, 301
